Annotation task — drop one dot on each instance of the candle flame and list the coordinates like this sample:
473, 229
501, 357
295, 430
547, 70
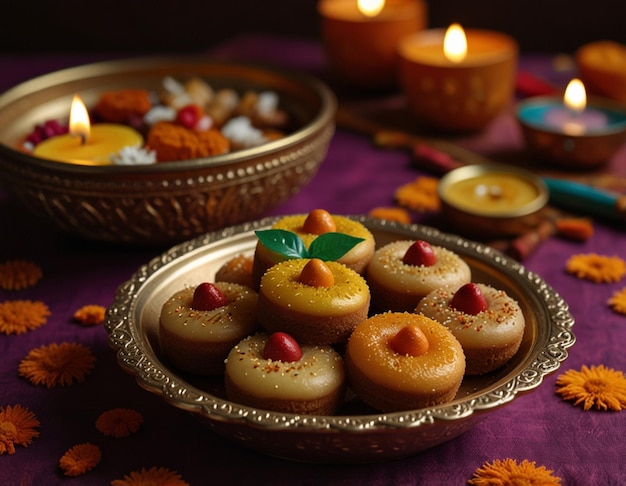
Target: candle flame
575, 97
455, 43
79, 119
371, 8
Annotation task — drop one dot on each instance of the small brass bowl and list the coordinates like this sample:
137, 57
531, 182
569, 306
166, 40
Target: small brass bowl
571, 151
357, 434
168, 202
492, 201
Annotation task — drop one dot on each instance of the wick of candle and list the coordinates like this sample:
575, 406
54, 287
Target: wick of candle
492, 192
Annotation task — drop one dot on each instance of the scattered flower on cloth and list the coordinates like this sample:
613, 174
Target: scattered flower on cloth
597, 268
90, 315
57, 364
420, 195
119, 422
392, 213
80, 459
509, 472
153, 477
617, 301
21, 316
599, 386
17, 426
19, 274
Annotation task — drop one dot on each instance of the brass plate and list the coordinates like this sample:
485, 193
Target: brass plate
357, 434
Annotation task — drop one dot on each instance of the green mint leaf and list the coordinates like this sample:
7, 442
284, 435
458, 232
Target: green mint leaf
284, 242
332, 246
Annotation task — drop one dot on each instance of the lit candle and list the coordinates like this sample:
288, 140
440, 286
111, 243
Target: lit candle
574, 118
360, 37
86, 144
457, 80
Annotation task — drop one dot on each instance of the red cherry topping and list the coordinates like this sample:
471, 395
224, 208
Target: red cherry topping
208, 297
280, 346
188, 116
469, 299
420, 253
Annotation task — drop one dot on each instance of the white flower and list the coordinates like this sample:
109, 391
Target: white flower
240, 131
133, 156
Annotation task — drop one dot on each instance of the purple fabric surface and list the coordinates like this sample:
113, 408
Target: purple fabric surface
583, 448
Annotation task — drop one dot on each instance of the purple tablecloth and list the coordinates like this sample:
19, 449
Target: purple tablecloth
583, 448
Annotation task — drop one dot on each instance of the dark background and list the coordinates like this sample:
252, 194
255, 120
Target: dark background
546, 26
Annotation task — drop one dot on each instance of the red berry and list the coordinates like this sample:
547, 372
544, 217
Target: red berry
280, 346
188, 116
420, 253
208, 297
469, 299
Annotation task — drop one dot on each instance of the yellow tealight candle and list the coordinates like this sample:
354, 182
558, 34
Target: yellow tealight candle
86, 144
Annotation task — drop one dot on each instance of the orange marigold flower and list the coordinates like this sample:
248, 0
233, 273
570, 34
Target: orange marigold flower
597, 268
400, 215
119, 422
154, 477
90, 315
508, 471
617, 302
17, 426
80, 459
604, 388
57, 364
419, 195
21, 316
19, 274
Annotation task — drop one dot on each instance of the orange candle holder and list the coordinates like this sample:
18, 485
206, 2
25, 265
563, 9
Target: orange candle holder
458, 96
362, 50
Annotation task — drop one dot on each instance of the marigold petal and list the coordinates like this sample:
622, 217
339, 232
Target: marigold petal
21, 316
154, 476
57, 364
19, 274
596, 268
119, 422
17, 427
400, 215
617, 301
80, 459
419, 195
508, 471
90, 315
596, 386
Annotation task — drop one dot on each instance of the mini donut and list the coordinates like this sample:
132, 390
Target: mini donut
491, 337
389, 380
198, 341
312, 314
356, 259
397, 286
314, 384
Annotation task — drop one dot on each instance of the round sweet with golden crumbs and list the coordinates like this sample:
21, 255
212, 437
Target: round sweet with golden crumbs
398, 286
389, 379
356, 259
314, 384
491, 337
310, 313
236, 270
198, 341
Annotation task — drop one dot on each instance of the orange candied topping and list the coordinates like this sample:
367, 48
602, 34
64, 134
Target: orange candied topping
57, 364
19, 274
21, 316
121, 106
599, 386
419, 195
90, 315
119, 422
597, 268
617, 302
509, 471
173, 142
154, 476
399, 215
80, 459
17, 426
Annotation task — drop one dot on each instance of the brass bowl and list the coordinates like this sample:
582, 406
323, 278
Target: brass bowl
170, 202
358, 434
